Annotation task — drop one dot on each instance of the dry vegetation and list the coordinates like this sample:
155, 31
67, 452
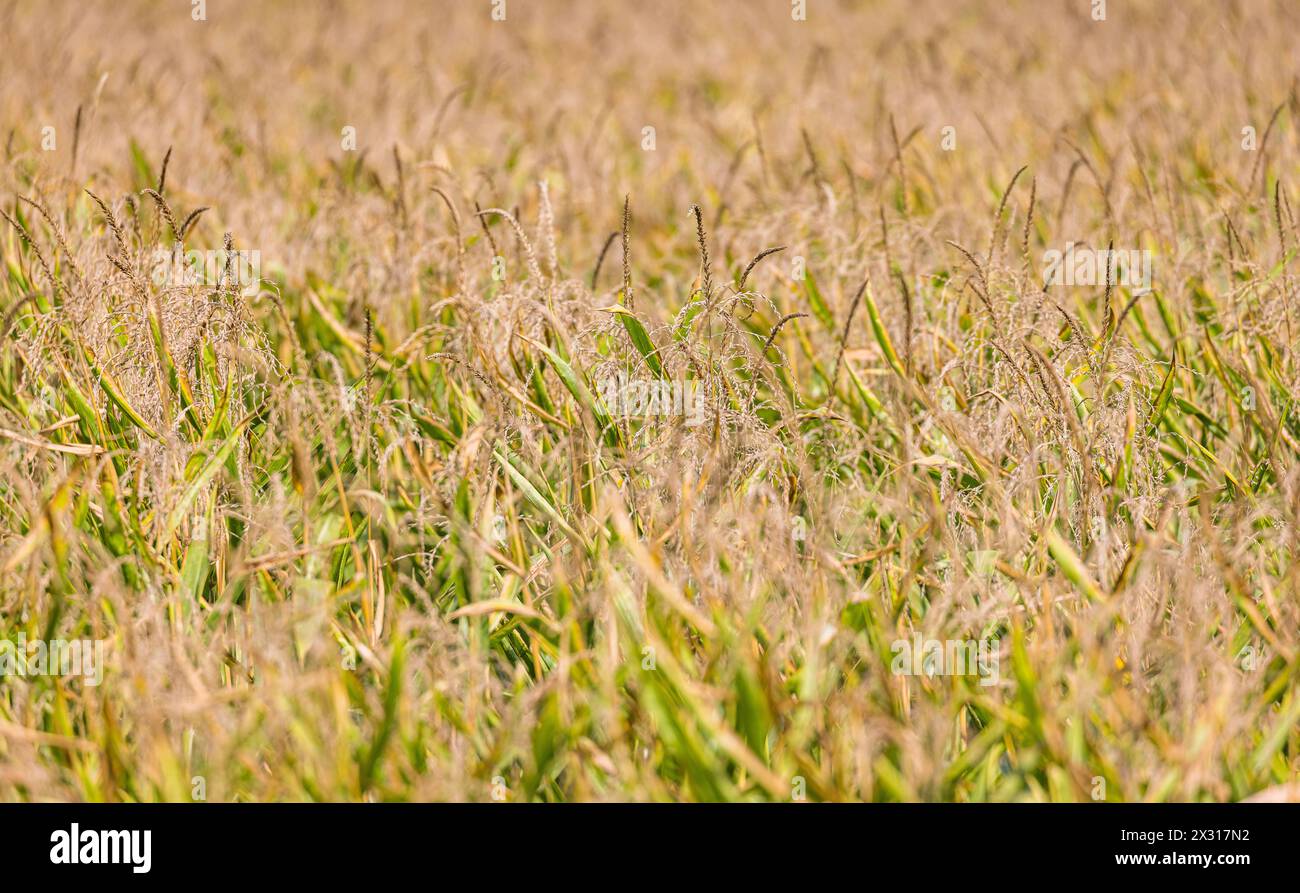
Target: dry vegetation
368, 531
